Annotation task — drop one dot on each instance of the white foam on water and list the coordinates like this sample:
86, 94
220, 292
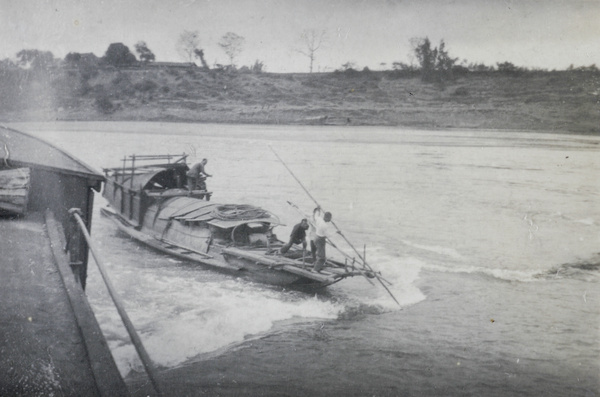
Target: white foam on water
502, 274
201, 317
451, 252
586, 221
398, 274
194, 316
458, 263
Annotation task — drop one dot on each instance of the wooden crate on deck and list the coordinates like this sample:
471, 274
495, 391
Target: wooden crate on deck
14, 190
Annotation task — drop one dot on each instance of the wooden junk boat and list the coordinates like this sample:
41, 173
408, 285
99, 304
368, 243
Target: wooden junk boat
151, 204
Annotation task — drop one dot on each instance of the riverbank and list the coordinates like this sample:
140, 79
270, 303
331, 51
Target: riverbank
565, 101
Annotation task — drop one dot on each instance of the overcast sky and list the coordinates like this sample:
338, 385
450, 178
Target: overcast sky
549, 34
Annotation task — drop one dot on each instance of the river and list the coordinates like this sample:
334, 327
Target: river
490, 239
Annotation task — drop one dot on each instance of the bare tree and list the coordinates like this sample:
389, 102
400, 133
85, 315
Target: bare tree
187, 44
311, 40
232, 44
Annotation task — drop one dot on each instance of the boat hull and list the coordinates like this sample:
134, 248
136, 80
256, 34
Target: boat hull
151, 205
276, 271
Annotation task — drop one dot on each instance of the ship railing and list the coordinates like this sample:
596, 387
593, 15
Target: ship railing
135, 339
129, 163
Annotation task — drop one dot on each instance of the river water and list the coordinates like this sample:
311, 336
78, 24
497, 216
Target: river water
490, 239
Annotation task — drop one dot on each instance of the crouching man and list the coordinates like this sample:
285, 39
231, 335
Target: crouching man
298, 236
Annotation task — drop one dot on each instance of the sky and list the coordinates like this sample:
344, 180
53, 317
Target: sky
546, 34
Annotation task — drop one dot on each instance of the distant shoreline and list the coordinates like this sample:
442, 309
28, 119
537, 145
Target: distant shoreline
414, 127
550, 102
96, 125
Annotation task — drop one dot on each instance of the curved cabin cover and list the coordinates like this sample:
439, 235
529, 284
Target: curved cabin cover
36, 176
153, 199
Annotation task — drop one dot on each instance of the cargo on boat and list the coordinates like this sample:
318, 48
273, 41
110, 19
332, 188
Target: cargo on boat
152, 204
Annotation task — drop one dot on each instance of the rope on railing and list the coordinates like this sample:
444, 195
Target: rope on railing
135, 339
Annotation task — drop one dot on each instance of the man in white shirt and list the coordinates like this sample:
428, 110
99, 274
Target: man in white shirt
322, 229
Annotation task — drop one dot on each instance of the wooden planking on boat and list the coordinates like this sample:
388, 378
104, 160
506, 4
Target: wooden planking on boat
14, 189
286, 264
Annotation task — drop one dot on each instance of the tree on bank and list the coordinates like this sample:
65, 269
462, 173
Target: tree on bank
73, 58
258, 67
436, 64
118, 54
35, 59
187, 44
232, 44
348, 66
311, 41
592, 68
144, 52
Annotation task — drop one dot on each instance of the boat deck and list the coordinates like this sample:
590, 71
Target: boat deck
50, 341
281, 262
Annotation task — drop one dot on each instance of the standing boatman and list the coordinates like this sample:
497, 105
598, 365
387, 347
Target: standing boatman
323, 229
196, 176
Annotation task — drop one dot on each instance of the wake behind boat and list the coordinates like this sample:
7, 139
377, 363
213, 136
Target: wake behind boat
152, 205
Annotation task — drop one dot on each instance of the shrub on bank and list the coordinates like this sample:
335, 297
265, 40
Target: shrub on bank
104, 104
461, 91
146, 85
121, 79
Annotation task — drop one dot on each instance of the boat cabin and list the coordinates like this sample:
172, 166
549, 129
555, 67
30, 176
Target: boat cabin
36, 176
153, 199
131, 189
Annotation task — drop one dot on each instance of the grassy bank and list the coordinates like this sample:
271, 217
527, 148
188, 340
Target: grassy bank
566, 101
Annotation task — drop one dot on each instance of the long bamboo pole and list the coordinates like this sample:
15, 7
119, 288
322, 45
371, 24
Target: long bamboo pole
135, 339
333, 223
365, 262
344, 254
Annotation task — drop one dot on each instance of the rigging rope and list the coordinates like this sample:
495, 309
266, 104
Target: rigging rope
239, 212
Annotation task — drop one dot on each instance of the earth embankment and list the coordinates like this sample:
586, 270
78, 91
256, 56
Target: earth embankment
563, 101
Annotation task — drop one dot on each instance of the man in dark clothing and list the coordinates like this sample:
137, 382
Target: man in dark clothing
298, 236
